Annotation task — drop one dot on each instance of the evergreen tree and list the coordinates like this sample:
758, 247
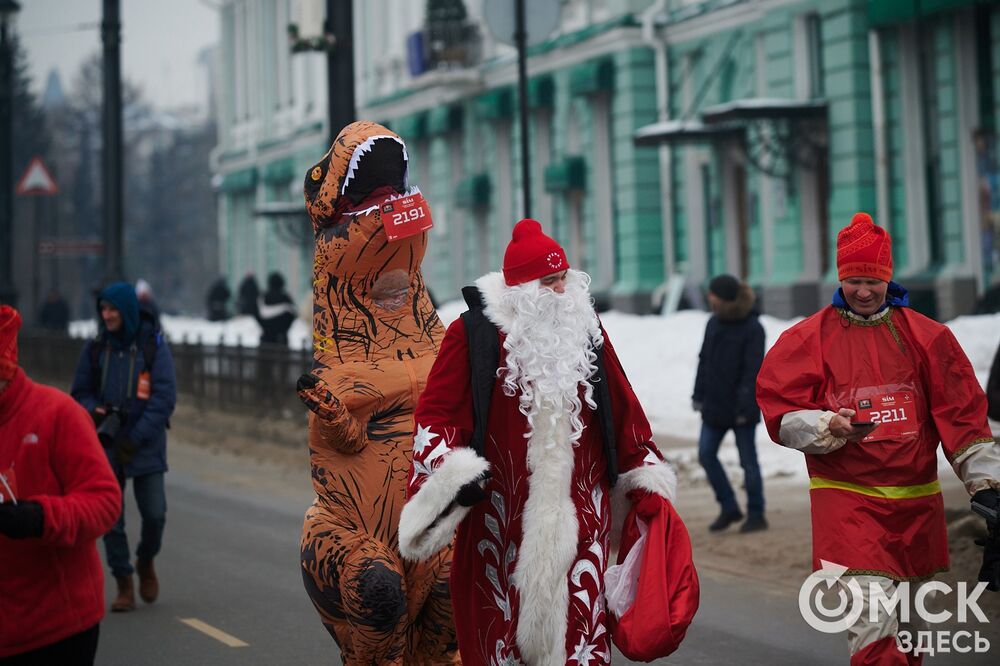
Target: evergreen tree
30, 137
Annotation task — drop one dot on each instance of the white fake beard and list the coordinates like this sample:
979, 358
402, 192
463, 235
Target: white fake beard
550, 350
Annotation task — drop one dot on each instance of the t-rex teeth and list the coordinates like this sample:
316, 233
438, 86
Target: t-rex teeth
352, 168
365, 147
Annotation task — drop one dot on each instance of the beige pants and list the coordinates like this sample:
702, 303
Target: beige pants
864, 632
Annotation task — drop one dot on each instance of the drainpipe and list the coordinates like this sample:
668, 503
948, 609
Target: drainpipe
662, 64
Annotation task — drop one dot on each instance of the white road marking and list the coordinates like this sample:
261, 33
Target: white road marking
209, 630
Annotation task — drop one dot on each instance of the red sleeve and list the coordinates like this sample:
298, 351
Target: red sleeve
444, 417
957, 402
791, 375
91, 499
633, 436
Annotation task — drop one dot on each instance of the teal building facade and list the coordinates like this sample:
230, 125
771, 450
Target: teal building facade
669, 140
687, 139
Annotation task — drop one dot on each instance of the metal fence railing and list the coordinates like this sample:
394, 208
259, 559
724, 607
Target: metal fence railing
258, 380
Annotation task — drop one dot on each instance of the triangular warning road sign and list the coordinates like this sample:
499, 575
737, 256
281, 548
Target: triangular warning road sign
37, 180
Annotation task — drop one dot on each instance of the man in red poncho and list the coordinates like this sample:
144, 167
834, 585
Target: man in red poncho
57, 496
532, 497
876, 500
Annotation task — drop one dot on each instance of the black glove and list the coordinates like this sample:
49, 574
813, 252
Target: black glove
124, 450
989, 498
474, 491
987, 504
989, 573
23, 520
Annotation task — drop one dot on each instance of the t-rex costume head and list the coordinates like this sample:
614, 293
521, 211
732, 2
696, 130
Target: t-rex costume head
375, 337
369, 296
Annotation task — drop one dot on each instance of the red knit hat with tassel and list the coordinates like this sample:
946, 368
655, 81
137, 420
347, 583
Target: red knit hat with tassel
864, 249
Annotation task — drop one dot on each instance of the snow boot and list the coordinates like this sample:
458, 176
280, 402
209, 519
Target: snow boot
149, 587
725, 519
755, 522
125, 601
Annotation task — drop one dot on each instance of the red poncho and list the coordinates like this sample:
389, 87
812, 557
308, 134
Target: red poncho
876, 504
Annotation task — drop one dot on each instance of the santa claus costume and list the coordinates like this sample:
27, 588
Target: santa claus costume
528, 570
877, 507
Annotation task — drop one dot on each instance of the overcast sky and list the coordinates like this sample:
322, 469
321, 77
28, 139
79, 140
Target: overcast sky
161, 40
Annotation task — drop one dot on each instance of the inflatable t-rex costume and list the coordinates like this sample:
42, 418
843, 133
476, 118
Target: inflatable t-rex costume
376, 335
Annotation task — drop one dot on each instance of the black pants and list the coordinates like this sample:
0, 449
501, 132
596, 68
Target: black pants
76, 650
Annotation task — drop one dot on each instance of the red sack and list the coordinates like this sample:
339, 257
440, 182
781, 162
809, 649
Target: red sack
668, 591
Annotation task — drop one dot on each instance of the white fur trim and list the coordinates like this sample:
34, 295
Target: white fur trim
550, 527
419, 536
549, 544
659, 478
492, 286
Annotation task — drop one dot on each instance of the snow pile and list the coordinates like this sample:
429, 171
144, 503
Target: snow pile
238, 331
660, 357
659, 354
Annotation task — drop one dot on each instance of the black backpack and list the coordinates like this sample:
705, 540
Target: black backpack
484, 359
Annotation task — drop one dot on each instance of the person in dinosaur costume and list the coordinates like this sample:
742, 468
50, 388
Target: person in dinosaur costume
376, 335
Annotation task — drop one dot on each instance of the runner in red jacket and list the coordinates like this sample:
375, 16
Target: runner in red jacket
57, 496
876, 500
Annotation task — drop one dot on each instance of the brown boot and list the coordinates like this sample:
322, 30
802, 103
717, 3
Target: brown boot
149, 587
125, 601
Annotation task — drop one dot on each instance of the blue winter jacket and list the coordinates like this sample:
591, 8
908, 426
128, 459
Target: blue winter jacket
147, 420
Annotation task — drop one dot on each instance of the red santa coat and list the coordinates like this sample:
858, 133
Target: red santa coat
527, 579
876, 504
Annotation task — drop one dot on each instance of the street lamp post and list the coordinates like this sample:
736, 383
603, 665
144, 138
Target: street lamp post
112, 156
8, 292
340, 66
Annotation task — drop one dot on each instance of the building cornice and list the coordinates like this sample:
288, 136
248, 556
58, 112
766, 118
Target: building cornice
435, 89
230, 161
717, 21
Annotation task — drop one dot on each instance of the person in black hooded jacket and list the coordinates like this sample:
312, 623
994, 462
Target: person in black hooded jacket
724, 393
275, 312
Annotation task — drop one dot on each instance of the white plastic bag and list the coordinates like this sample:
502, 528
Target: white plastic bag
621, 581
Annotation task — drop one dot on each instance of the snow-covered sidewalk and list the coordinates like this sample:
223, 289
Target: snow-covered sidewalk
660, 356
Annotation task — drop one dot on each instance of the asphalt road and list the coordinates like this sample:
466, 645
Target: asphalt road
231, 593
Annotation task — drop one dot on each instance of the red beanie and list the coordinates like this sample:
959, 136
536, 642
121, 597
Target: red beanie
10, 322
531, 254
864, 250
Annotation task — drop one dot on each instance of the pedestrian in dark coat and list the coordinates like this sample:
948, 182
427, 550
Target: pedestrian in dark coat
147, 301
724, 393
247, 295
217, 300
127, 372
275, 312
54, 313
57, 495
